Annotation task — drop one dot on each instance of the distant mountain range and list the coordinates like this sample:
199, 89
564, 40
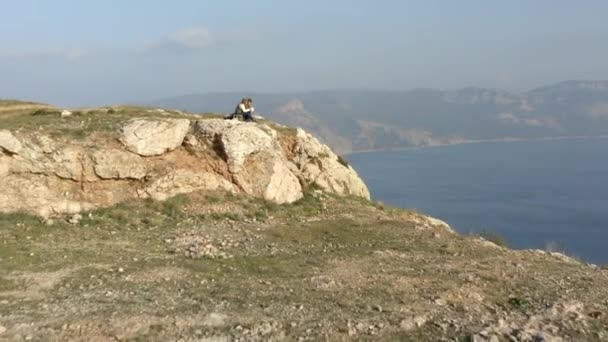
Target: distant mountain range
383, 120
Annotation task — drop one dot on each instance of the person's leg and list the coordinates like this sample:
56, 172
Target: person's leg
247, 117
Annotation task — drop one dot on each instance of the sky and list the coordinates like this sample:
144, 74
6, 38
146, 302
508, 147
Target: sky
77, 53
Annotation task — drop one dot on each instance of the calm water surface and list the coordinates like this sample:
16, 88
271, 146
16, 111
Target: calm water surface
532, 193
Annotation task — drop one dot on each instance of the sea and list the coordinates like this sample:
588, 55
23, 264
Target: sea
550, 194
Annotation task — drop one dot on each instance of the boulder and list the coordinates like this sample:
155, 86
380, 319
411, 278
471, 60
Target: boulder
118, 164
236, 139
267, 175
9, 143
319, 165
185, 181
154, 137
254, 158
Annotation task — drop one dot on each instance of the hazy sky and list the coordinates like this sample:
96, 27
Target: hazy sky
76, 52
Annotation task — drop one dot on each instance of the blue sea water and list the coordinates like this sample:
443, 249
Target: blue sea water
534, 194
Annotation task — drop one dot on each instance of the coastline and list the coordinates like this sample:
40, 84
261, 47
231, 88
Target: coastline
482, 141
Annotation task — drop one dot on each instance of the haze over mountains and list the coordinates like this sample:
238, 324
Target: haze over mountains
381, 120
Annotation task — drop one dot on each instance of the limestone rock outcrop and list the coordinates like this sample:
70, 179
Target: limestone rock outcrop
254, 157
118, 164
185, 181
9, 143
154, 137
151, 158
320, 165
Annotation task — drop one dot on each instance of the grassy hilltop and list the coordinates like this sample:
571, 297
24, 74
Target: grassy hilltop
215, 266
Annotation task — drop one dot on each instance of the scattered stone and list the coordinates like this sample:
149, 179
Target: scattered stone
440, 301
196, 246
323, 282
65, 113
413, 322
75, 219
215, 320
2, 329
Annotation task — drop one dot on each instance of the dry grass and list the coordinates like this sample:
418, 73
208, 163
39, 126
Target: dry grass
324, 268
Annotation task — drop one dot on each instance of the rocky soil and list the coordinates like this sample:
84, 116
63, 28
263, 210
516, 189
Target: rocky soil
223, 267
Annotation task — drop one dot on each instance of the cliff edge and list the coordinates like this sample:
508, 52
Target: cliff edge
64, 162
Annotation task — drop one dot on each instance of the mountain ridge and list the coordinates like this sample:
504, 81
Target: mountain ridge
358, 120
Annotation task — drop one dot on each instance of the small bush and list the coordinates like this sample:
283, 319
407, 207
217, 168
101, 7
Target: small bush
260, 215
213, 199
518, 302
494, 237
111, 111
41, 112
553, 246
225, 216
173, 207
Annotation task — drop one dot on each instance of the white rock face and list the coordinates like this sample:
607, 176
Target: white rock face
68, 163
254, 157
39, 196
319, 165
118, 164
185, 181
267, 175
5, 165
9, 143
154, 137
48, 177
43, 143
238, 139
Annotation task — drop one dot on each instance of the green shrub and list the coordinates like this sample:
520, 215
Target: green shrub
41, 112
213, 199
173, 207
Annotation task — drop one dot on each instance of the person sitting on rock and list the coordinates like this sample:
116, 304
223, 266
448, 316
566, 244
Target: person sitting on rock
245, 109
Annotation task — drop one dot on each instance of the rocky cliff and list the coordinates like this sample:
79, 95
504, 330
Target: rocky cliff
61, 164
